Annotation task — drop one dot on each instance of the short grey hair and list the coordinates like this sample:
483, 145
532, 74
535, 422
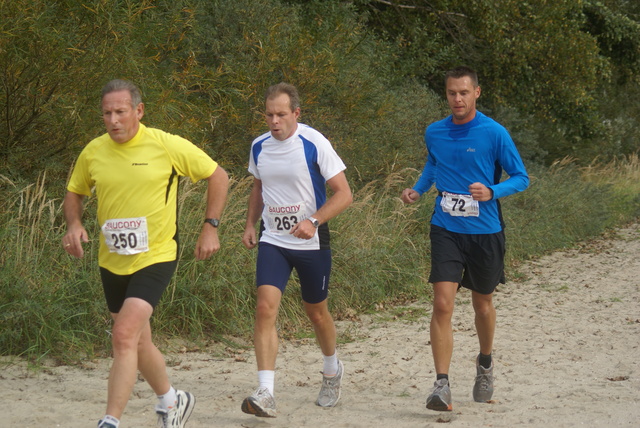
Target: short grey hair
123, 85
284, 88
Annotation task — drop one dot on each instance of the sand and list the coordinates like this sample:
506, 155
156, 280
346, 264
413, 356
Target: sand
566, 354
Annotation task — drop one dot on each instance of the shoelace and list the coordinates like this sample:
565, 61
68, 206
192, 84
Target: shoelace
264, 397
484, 382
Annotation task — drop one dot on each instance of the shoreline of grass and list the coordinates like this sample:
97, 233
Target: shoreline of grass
51, 305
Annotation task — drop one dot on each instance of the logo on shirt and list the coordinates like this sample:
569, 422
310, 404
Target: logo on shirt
122, 224
139, 164
291, 209
471, 149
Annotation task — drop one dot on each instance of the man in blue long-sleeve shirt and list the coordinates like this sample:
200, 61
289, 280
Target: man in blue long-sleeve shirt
467, 154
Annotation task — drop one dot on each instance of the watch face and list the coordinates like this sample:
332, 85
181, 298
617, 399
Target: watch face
213, 222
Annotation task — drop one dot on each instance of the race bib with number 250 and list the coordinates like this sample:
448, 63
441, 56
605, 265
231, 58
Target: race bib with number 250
126, 236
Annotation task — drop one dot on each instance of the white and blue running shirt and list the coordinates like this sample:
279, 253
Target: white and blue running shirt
293, 174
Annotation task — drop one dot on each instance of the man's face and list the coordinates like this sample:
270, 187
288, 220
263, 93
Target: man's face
462, 96
281, 120
121, 119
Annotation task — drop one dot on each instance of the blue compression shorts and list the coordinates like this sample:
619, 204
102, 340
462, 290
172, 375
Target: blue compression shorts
275, 264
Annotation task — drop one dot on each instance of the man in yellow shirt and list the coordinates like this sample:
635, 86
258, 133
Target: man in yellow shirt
134, 172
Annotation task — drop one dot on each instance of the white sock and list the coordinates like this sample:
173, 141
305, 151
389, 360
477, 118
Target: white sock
111, 420
168, 399
267, 378
330, 368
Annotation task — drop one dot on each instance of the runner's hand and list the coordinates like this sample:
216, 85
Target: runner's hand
480, 192
249, 237
208, 243
303, 230
73, 239
410, 196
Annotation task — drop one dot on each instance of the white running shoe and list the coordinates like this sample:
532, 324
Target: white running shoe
260, 403
330, 391
178, 415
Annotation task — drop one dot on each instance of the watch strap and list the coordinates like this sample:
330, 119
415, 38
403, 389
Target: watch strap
212, 221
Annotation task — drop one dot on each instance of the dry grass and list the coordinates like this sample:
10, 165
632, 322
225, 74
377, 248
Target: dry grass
52, 304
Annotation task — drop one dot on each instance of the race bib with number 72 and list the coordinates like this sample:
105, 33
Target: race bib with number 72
459, 205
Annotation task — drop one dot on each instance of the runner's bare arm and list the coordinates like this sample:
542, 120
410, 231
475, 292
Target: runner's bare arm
254, 211
76, 233
217, 187
337, 203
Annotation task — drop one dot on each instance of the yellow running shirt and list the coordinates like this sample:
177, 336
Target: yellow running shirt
136, 184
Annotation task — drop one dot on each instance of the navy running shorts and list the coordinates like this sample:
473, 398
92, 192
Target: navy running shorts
147, 284
275, 264
475, 262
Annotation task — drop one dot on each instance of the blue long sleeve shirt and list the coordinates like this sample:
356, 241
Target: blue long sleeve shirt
459, 155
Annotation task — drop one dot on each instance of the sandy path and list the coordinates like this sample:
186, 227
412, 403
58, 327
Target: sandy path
567, 354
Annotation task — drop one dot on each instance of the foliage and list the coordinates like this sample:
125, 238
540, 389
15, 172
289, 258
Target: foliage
322, 48
618, 37
617, 31
203, 67
549, 60
370, 76
52, 305
368, 71
54, 57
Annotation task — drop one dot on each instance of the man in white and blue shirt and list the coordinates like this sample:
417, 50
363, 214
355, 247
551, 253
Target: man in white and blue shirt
292, 164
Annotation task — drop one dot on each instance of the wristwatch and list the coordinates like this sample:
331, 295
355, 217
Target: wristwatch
212, 221
314, 222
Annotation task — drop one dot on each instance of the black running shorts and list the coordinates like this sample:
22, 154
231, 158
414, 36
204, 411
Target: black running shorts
147, 284
475, 262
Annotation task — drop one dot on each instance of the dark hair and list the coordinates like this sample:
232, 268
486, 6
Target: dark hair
123, 85
284, 88
462, 71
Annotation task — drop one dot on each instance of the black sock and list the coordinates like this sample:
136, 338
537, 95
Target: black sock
484, 360
442, 376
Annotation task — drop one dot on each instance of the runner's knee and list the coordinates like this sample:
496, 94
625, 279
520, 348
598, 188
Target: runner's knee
319, 317
442, 307
124, 338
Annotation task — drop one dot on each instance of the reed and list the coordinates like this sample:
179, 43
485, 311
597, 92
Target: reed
52, 305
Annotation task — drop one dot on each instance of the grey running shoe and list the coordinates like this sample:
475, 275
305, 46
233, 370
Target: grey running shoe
178, 415
483, 388
440, 398
104, 424
330, 391
260, 403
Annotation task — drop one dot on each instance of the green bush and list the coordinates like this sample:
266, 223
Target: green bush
203, 66
52, 304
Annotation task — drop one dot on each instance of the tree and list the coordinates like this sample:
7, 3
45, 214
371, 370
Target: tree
541, 57
616, 26
54, 58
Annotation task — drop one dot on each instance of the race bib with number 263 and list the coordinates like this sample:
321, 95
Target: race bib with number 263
280, 219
